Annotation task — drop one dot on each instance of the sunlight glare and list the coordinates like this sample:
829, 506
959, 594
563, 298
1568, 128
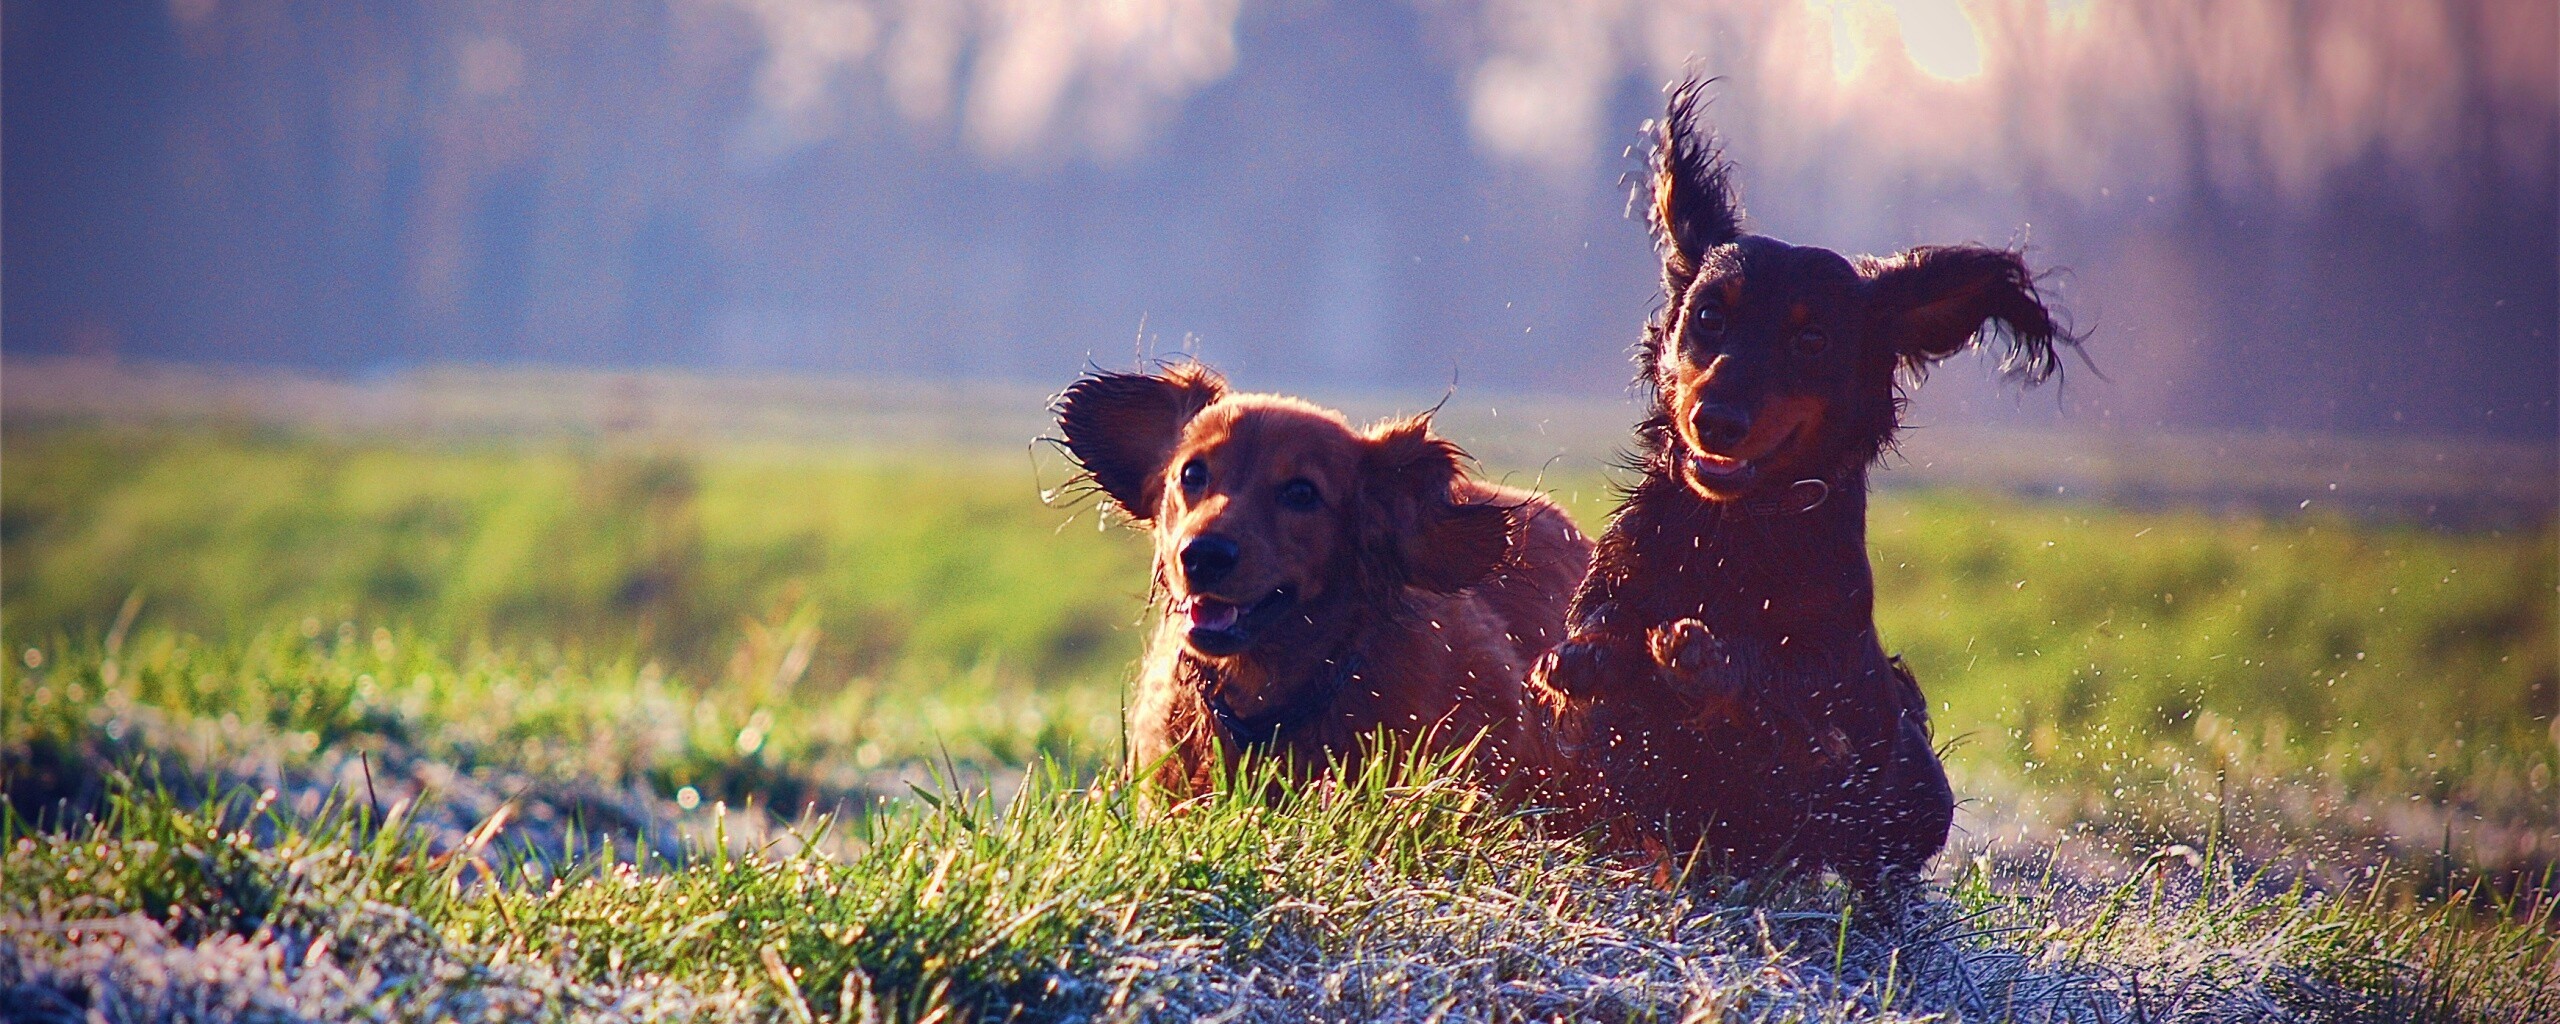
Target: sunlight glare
1941, 39
1938, 36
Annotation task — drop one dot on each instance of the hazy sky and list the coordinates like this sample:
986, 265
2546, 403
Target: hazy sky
2301, 215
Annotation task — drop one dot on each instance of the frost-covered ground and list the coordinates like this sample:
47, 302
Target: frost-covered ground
514, 898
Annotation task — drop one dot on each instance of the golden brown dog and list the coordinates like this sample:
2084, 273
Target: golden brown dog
1321, 583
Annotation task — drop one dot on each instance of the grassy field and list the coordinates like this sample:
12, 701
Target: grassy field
2215, 765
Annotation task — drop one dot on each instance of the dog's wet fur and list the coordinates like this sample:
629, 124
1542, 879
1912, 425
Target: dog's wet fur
1722, 674
1318, 583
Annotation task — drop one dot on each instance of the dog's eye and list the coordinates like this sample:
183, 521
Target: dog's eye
1195, 475
1708, 320
1813, 342
1299, 494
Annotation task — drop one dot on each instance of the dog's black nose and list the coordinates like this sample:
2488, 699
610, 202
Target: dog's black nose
1723, 426
1206, 560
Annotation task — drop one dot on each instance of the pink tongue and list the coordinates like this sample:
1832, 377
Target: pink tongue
1206, 614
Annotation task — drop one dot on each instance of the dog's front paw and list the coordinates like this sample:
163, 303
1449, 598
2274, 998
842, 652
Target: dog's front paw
1692, 660
1582, 667
1689, 659
1685, 648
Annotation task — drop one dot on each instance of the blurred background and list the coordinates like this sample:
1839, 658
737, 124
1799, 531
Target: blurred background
2334, 216
629, 405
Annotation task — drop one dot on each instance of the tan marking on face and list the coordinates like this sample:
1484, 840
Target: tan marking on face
1779, 427
1779, 420
1688, 391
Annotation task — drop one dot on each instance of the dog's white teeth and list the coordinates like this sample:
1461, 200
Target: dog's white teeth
1718, 468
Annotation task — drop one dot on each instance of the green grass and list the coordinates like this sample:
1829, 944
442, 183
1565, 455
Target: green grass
2363, 688
653, 663
1391, 896
931, 562
2347, 690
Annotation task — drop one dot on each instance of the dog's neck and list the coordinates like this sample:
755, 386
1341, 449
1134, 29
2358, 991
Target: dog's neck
1278, 686
1762, 568
1284, 711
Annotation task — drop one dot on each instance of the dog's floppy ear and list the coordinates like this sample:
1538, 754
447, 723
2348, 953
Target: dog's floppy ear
1694, 206
1123, 427
1412, 526
1929, 303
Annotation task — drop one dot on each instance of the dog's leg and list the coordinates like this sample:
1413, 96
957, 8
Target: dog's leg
1714, 677
1894, 815
1597, 656
1919, 806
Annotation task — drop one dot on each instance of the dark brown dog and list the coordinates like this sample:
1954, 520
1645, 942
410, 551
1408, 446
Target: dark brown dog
1320, 583
1723, 673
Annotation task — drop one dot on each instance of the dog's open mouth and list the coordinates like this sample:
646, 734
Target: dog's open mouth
1729, 474
1220, 628
1719, 469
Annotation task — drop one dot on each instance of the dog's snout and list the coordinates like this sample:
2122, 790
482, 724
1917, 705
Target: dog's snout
1723, 426
1207, 559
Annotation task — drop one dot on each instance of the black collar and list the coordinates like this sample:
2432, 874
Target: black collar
1266, 728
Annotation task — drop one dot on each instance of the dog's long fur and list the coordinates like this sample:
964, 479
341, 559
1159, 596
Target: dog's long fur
1412, 597
1723, 674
